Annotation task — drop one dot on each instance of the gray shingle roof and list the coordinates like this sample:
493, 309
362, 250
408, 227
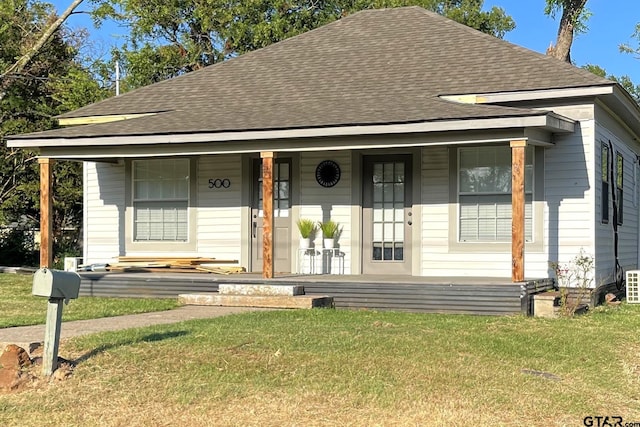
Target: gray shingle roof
373, 67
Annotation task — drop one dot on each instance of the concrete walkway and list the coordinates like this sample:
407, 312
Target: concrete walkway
31, 337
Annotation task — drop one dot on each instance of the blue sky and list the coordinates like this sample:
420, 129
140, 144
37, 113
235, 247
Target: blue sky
608, 28
612, 23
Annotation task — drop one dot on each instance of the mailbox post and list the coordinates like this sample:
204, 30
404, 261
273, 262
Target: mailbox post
58, 286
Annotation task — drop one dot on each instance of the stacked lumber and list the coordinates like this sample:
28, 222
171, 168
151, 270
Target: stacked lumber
175, 265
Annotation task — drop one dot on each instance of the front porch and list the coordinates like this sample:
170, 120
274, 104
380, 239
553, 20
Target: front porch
462, 295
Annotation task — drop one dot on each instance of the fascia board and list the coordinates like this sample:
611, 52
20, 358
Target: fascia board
530, 95
550, 121
92, 120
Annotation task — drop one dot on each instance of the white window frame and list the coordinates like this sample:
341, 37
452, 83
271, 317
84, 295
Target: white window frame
176, 243
494, 200
164, 216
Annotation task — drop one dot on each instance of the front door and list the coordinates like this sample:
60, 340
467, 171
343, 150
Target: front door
281, 216
386, 215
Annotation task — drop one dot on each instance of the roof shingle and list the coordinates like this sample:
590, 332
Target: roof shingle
373, 67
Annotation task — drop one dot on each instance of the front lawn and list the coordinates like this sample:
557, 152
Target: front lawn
18, 307
348, 368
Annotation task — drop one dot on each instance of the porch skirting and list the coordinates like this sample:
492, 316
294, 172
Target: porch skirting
425, 295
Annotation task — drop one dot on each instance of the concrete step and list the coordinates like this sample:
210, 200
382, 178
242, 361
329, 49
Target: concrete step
264, 301
260, 289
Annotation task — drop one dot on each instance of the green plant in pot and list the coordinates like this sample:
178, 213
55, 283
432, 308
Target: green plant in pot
306, 227
330, 230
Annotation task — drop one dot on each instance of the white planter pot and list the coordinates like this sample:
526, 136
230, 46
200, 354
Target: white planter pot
328, 243
305, 243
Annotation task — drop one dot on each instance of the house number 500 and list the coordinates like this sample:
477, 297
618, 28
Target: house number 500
219, 183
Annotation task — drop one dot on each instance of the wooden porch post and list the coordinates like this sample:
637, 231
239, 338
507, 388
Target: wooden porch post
46, 212
517, 208
267, 214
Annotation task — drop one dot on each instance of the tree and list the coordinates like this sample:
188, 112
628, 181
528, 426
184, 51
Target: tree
168, 39
31, 48
572, 22
50, 82
625, 81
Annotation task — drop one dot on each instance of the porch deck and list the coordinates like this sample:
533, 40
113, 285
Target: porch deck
471, 295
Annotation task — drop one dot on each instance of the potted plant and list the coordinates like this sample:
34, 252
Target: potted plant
330, 230
306, 227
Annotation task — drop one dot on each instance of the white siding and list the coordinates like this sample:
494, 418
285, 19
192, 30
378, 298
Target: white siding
441, 256
570, 190
319, 203
607, 129
435, 209
219, 217
567, 209
104, 211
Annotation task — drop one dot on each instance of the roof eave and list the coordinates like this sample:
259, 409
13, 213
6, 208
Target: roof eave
531, 95
548, 121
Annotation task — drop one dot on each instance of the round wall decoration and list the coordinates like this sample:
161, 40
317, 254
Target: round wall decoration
328, 173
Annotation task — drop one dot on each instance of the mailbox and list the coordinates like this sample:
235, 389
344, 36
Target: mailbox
56, 284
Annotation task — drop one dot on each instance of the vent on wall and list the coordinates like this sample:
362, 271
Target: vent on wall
633, 286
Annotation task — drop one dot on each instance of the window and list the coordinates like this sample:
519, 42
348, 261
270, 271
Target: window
604, 176
619, 182
161, 200
484, 194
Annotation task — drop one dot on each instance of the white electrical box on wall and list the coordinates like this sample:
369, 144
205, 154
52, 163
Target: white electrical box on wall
633, 286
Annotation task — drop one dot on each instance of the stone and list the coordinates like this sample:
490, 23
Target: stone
14, 357
14, 379
545, 304
611, 299
14, 368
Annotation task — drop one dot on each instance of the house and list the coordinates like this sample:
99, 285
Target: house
440, 150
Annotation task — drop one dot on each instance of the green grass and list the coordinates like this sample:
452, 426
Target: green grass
338, 367
18, 307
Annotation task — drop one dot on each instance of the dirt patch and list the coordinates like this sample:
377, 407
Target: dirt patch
18, 371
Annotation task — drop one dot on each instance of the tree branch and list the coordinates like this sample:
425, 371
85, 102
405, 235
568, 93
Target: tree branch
21, 63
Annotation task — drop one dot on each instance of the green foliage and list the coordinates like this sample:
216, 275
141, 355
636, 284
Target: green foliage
17, 247
53, 82
575, 281
306, 227
625, 81
577, 14
168, 39
330, 229
633, 50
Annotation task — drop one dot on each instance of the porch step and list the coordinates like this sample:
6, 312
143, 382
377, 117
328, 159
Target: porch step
263, 301
260, 289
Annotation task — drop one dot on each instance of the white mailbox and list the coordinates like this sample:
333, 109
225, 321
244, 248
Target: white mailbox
56, 284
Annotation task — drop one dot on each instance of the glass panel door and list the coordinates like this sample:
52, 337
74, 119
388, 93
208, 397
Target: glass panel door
388, 182
387, 215
281, 216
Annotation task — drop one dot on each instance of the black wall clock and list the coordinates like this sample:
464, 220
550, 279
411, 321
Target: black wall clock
328, 173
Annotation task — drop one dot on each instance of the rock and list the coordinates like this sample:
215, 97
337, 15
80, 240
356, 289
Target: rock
63, 372
14, 357
14, 379
610, 299
14, 370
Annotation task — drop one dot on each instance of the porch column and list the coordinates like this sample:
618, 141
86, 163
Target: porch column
267, 213
517, 208
46, 212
